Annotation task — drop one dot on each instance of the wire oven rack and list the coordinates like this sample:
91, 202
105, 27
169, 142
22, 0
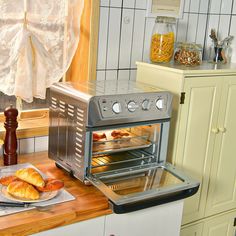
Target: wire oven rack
126, 143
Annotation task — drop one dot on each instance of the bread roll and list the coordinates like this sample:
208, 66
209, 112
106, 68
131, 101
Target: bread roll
22, 190
30, 175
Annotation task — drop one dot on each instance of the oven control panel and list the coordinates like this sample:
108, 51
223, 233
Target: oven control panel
134, 105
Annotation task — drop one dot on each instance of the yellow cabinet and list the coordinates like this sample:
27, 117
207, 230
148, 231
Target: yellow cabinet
223, 225
203, 131
192, 230
222, 187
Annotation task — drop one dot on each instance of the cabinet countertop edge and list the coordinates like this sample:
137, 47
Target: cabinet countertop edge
204, 69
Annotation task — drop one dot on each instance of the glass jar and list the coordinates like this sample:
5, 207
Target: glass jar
189, 54
218, 54
163, 39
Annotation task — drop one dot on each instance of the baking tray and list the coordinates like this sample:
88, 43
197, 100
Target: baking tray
126, 143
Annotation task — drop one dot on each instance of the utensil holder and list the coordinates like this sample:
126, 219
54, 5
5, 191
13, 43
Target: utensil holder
218, 54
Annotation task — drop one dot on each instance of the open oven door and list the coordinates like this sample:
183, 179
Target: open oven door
144, 186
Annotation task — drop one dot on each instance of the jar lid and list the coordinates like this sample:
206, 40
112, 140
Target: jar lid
189, 45
165, 19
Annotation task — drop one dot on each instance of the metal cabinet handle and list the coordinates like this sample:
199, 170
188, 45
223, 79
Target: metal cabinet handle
215, 130
222, 129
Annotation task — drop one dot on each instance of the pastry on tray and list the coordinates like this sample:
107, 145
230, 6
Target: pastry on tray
22, 189
27, 183
30, 175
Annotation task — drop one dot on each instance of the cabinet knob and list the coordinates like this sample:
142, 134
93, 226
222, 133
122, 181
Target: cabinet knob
215, 130
222, 129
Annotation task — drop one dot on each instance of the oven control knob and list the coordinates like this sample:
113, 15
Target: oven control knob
132, 106
116, 107
146, 105
160, 103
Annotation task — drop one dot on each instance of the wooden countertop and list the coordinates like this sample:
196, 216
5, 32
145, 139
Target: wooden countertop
89, 203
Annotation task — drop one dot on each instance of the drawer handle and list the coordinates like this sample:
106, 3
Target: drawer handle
222, 130
215, 130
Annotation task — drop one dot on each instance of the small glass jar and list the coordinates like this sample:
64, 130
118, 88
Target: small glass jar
218, 54
163, 39
189, 54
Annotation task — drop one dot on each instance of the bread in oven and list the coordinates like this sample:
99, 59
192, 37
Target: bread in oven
22, 189
30, 175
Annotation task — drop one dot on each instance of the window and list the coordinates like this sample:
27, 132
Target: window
34, 117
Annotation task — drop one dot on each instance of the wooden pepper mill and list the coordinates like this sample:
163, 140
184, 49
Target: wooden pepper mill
10, 142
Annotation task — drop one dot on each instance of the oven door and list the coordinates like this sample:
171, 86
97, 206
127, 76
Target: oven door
144, 186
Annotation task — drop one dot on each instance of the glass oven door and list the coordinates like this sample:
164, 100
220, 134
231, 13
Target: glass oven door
144, 186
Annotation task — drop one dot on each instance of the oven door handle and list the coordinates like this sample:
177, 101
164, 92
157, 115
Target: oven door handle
159, 200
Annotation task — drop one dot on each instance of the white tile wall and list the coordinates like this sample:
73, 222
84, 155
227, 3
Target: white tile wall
125, 32
124, 38
234, 7
26, 145
41, 144
233, 32
34, 144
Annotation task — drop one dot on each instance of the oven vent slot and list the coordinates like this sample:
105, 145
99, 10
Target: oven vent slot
62, 106
54, 103
70, 110
78, 115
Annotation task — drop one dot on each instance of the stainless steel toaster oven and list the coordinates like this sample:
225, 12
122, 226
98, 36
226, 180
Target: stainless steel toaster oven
114, 134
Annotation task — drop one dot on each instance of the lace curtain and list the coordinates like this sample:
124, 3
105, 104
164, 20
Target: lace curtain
38, 39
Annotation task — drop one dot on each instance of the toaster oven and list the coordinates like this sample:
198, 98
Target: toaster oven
114, 135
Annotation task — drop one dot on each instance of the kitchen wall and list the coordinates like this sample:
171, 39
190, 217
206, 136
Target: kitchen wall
34, 144
125, 31
124, 38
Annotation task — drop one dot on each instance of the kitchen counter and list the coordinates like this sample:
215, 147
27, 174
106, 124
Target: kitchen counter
89, 203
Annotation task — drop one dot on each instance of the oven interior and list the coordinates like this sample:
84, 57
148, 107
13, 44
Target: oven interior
127, 160
125, 148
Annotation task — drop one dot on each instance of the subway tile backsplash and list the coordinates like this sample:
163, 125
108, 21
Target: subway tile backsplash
30, 145
125, 32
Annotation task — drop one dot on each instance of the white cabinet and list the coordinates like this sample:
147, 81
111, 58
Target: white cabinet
93, 227
163, 220
203, 131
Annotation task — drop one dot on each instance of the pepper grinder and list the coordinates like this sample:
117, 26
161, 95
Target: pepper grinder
10, 142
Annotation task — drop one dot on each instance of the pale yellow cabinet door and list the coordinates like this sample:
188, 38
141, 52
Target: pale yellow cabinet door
220, 226
193, 230
222, 186
197, 131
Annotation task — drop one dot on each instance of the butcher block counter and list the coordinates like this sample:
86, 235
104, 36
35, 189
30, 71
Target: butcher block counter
89, 203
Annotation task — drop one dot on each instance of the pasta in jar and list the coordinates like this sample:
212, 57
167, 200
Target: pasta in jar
162, 47
163, 39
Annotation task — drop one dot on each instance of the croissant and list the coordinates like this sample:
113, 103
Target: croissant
30, 175
22, 190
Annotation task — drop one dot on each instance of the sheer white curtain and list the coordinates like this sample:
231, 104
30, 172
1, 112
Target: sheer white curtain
38, 39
